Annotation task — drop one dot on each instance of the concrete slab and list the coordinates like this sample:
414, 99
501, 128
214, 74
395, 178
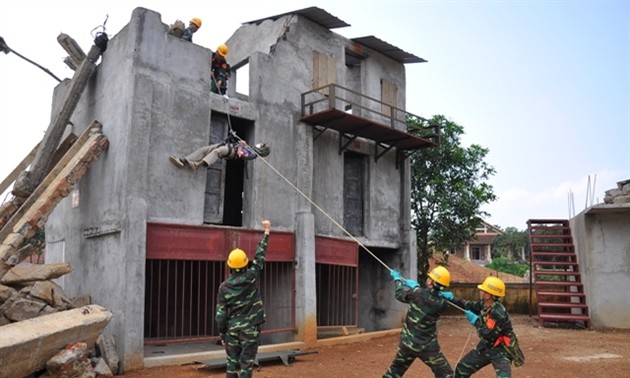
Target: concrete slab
41, 338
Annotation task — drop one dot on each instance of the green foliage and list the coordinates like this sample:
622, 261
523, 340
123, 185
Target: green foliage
506, 265
510, 243
448, 187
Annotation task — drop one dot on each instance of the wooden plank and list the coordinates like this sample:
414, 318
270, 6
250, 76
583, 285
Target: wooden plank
10, 179
6, 228
56, 186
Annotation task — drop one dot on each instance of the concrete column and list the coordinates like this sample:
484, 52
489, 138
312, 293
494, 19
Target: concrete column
467, 252
488, 253
305, 285
305, 293
408, 249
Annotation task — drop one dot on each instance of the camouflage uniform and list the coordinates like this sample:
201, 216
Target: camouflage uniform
240, 314
188, 34
419, 335
493, 324
221, 72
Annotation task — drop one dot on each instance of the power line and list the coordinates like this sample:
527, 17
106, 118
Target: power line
6, 49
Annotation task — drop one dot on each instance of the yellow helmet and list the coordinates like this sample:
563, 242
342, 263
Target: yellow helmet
196, 21
237, 259
440, 275
223, 50
493, 286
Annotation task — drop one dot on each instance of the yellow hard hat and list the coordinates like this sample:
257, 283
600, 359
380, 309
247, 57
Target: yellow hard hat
223, 49
237, 259
196, 21
441, 276
493, 286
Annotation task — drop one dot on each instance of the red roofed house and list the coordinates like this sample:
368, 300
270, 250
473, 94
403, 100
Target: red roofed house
479, 248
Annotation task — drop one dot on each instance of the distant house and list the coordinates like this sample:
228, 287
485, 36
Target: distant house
479, 248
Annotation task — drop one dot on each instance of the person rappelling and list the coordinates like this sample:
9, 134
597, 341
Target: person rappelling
231, 148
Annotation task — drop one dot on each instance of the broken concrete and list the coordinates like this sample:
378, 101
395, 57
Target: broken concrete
43, 337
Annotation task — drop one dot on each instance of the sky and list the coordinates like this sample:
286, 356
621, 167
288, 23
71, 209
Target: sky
543, 85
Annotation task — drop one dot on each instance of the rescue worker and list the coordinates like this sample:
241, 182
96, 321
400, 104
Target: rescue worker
239, 312
220, 70
230, 149
494, 328
192, 28
418, 338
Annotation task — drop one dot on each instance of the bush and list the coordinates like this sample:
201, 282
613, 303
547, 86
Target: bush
506, 265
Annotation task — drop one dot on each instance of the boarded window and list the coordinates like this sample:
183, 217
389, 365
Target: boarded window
324, 70
353, 187
389, 97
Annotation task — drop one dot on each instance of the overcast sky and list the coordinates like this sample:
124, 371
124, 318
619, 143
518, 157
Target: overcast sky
544, 85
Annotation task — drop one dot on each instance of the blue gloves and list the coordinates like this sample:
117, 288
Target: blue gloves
472, 318
396, 275
411, 283
446, 295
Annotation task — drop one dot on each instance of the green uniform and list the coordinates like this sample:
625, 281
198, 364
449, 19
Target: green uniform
221, 72
418, 338
493, 325
240, 314
188, 34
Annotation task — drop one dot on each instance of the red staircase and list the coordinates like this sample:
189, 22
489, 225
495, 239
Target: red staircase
555, 274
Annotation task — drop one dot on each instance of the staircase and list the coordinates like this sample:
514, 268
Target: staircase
556, 274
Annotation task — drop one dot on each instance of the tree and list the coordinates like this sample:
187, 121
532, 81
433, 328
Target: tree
448, 187
510, 243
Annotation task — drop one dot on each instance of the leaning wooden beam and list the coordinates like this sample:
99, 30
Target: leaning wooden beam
29, 180
17, 170
73, 49
33, 214
26, 346
9, 209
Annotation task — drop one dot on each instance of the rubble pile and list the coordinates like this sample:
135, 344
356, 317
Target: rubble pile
620, 194
61, 335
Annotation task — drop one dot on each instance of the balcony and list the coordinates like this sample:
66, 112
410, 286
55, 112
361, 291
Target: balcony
355, 115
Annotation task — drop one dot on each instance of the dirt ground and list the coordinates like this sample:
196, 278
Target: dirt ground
549, 352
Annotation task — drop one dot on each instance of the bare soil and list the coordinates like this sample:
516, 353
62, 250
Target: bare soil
549, 352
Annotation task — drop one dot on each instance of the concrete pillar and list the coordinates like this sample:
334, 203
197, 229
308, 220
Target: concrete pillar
306, 293
408, 248
305, 285
467, 252
488, 253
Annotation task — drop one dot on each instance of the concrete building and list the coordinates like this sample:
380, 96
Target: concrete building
602, 243
148, 241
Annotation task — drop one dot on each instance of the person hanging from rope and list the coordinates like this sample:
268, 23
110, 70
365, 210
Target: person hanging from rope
192, 28
220, 70
498, 344
231, 148
418, 338
239, 310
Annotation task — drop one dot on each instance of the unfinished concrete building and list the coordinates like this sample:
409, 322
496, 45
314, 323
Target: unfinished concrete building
149, 241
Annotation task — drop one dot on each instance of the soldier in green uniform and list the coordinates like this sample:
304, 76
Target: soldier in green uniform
192, 28
240, 313
493, 326
419, 334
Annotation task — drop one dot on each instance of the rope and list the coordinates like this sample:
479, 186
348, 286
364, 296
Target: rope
317, 206
465, 345
339, 225
299, 191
